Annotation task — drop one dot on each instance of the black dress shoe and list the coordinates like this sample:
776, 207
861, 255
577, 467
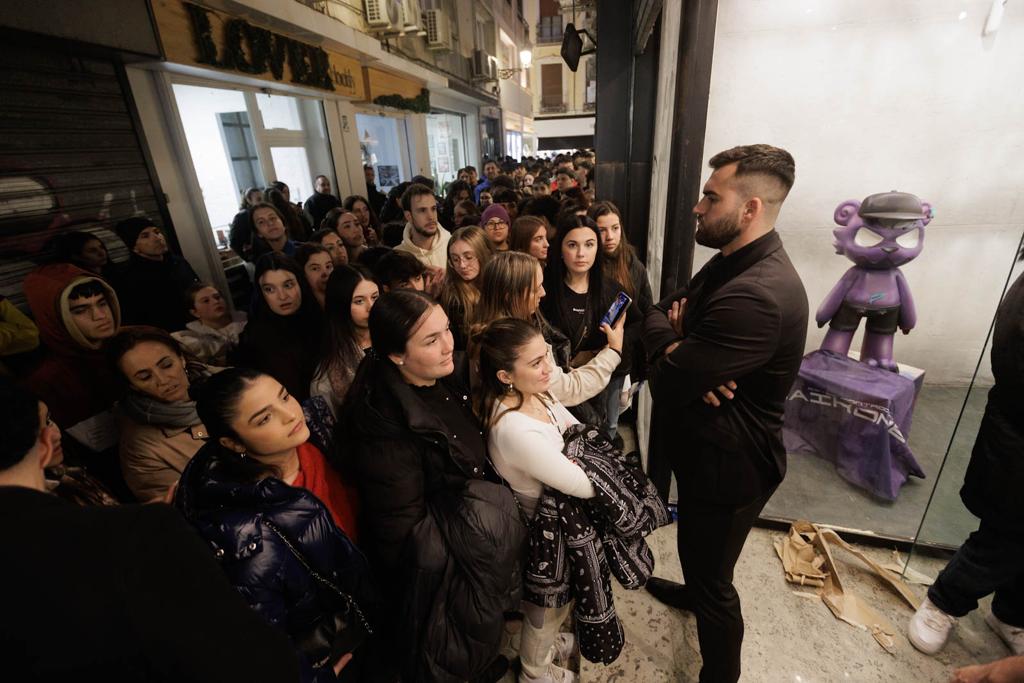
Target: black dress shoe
494, 672
670, 593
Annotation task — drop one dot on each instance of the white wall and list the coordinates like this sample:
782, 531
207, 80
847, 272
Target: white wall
873, 95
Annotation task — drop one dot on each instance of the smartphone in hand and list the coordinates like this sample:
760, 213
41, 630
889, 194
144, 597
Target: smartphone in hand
617, 309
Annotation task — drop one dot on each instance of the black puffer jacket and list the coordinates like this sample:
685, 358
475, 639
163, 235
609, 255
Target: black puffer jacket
445, 542
229, 516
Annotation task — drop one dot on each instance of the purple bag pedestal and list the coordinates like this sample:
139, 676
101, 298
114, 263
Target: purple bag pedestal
855, 416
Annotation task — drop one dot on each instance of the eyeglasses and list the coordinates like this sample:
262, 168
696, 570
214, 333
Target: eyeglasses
459, 260
495, 225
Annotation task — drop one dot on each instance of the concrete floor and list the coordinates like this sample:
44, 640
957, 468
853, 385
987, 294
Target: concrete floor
788, 637
814, 491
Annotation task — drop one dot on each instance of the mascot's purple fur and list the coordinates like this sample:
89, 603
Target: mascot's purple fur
879, 234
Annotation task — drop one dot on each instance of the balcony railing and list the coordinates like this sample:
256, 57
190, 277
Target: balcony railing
549, 30
556, 108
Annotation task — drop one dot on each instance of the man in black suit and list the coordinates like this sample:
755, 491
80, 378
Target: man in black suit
112, 593
739, 327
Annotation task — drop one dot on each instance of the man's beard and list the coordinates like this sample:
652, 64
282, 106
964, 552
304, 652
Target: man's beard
717, 234
423, 231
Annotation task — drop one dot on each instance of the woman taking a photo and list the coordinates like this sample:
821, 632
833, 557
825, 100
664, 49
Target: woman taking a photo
317, 265
444, 539
530, 236
351, 294
160, 429
512, 286
273, 511
285, 321
468, 253
215, 331
578, 295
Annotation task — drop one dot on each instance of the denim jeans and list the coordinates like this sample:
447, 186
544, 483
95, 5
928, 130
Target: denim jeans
991, 560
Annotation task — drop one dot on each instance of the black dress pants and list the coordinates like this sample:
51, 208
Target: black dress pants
710, 538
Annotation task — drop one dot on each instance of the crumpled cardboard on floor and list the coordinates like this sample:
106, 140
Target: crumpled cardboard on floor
807, 560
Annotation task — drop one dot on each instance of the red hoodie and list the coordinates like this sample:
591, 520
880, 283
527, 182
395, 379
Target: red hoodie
73, 378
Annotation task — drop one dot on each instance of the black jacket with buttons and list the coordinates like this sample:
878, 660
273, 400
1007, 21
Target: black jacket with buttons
444, 540
228, 515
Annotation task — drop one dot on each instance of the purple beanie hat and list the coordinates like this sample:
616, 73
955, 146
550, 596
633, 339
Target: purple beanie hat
494, 211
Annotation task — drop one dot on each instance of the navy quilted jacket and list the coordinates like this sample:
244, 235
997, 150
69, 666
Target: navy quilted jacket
228, 515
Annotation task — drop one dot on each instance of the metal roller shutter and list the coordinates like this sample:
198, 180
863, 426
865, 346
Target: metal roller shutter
70, 158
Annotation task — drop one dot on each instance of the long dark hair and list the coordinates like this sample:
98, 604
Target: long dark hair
499, 346
454, 189
520, 237
339, 347
616, 265
217, 398
68, 246
308, 312
289, 214
350, 201
554, 278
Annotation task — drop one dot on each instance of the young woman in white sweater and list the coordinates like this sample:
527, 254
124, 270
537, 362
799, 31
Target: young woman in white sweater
524, 426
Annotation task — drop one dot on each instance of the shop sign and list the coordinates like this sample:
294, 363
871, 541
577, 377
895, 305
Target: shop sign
193, 34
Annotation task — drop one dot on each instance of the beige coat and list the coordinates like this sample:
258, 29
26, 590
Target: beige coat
152, 458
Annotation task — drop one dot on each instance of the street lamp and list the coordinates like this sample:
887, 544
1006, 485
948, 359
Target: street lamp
525, 58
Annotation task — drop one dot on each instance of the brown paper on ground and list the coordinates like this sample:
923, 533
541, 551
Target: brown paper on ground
807, 560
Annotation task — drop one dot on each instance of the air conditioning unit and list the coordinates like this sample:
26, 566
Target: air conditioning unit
483, 66
384, 16
412, 17
439, 31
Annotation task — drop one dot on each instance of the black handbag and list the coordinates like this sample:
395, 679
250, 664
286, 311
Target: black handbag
343, 626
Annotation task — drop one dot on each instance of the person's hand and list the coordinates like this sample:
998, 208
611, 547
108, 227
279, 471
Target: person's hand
725, 390
675, 316
340, 664
671, 347
435, 280
1006, 670
615, 334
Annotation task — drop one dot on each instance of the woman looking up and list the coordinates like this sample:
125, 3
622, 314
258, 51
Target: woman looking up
316, 264
530, 235
285, 321
468, 253
524, 435
273, 511
160, 429
215, 331
443, 538
512, 286
351, 294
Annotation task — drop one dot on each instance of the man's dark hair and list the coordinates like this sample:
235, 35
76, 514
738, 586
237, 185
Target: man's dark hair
566, 172
86, 290
504, 195
502, 181
765, 161
319, 177
397, 266
471, 169
19, 420
423, 180
414, 190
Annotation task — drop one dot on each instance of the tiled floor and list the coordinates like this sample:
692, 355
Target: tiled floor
788, 637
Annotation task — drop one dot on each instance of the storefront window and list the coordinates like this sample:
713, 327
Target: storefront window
384, 146
446, 140
240, 139
514, 144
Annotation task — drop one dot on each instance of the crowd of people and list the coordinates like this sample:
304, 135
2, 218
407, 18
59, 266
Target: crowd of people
383, 454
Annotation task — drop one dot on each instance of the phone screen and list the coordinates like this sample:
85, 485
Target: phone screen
617, 309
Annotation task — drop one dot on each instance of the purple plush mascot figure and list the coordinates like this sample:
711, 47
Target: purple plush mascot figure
879, 234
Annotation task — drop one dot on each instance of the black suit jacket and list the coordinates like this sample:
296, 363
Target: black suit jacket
122, 594
745, 320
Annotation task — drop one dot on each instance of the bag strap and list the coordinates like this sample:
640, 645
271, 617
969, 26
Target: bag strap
328, 584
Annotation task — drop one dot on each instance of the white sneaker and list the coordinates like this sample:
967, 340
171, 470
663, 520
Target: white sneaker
929, 628
565, 646
555, 674
1013, 636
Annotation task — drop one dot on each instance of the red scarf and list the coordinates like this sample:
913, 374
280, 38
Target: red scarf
320, 479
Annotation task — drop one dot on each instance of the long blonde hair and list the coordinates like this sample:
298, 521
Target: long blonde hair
457, 292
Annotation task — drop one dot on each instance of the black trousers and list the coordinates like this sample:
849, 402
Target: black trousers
991, 560
710, 538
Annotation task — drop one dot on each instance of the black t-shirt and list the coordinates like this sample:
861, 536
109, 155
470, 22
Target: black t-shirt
575, 305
